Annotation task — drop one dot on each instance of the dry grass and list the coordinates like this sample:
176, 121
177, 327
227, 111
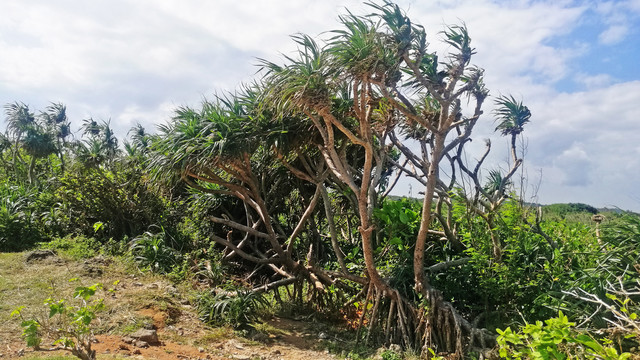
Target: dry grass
28, 284
139, 300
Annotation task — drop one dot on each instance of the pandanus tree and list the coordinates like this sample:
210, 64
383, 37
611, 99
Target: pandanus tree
403, 98
337, 116
485, 199
29, 133
99, 147
230, 149
57, 124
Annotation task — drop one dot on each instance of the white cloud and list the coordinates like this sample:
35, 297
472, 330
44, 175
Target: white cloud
593, 81
575, 166
586, 145
617, 16
134, 61
613, 34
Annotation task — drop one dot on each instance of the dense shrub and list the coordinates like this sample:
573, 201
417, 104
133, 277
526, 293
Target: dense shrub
121, 201
19, 208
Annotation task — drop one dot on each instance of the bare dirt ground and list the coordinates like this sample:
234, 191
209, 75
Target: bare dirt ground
139, 301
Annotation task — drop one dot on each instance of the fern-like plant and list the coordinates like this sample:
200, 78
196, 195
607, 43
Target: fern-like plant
238, 309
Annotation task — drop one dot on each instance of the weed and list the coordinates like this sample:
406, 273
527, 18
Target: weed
137, 324
390, 355
238, 310
74, 247
215, 336
151, 252
69, 324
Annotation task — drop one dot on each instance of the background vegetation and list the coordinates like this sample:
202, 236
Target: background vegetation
280, 193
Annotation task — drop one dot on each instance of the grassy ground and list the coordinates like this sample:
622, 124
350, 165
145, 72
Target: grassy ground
142, 300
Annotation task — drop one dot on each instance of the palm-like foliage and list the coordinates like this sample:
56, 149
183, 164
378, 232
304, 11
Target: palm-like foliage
362, 51
29, 133
139, 137
137, 148
218, 132
19, 119
304, 83
238, 310
100, 146
55, 117
511, 115
55, 120
38, 143
495, 182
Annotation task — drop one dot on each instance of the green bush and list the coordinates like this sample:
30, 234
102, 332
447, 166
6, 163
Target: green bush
555, 339
122, 201
18, 218
75, 247
151, 252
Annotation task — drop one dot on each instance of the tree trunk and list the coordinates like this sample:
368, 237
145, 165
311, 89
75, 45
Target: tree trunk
32, 166
425, 222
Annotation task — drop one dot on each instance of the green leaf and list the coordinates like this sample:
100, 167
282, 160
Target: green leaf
611, 352
403, 218
588, 341
17, 311
97, 226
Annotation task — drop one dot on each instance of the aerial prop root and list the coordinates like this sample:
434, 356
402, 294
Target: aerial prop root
435, 324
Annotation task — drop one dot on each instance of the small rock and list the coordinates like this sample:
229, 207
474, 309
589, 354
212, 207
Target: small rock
323, 336
128, 339
138, 284
137, 352
123, 347
241, 357
378, 354
39, 255
141, 344
92, 270
261, 337
153, 286
146, 335
201, 349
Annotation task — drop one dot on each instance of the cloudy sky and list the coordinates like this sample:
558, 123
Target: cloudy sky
576, 64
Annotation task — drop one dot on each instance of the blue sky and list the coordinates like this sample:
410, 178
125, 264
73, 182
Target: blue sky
574, 63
